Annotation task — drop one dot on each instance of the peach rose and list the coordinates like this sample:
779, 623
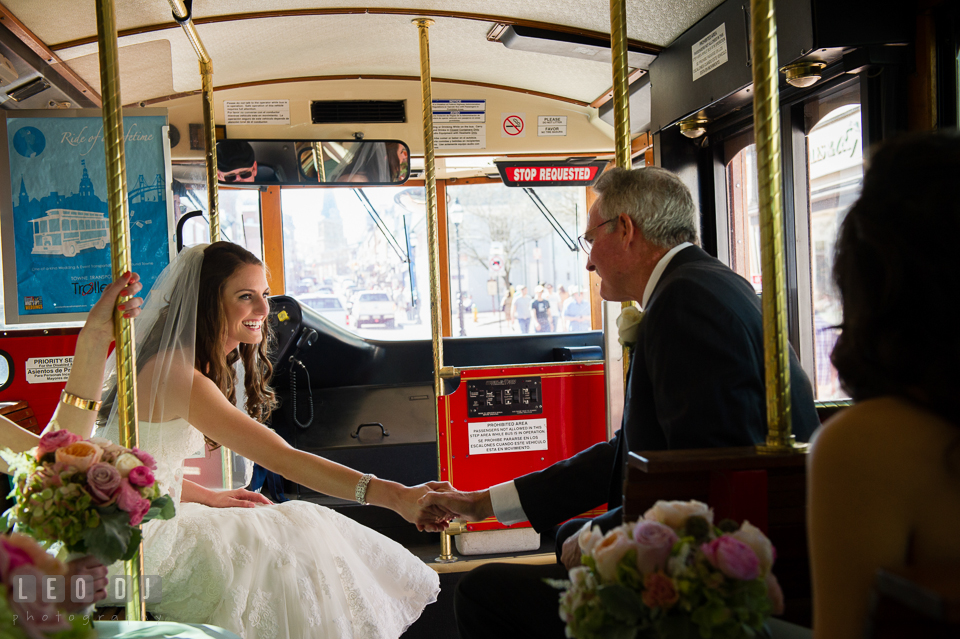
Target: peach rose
658, 590
754, 537
81, 455
774, 593
589, 538
676, 513
610, 551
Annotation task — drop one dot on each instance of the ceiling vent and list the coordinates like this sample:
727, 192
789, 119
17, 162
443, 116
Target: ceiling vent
28, 90
358, 111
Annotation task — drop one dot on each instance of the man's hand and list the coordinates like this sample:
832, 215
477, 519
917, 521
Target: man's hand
570, 553
239, 498
426, 517
86, 566
472, 506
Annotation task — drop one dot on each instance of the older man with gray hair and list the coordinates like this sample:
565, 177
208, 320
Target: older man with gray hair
696, 380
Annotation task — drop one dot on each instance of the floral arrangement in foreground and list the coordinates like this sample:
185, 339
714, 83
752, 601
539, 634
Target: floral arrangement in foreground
672, 574
20, 555
89, 494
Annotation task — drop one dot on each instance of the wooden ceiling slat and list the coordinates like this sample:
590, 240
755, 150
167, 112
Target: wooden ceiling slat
636, 45
25, 35
360, 76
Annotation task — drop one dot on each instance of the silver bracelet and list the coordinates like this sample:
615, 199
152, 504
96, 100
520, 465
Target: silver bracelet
361, 492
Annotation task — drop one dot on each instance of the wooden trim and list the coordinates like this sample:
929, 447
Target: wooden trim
358, 76
705, 460
471, 180
596, 302
922, 104
637, 45
58, 66
271, 226
446, 321
641, 144
608, 95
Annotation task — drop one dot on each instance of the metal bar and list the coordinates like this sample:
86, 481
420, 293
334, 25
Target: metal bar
433, 244
621, 108
120, 257
766, 117
551, 219
381, 225
210, 149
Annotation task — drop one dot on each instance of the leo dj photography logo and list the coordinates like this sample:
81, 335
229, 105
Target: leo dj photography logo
53, 589
89, 288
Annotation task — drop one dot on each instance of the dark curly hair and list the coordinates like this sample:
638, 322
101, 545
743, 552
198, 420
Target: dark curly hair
898, 275
220, 261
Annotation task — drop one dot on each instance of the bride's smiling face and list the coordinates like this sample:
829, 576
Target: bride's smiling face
245, 306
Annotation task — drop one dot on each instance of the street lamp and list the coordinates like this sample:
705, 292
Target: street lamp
456, 216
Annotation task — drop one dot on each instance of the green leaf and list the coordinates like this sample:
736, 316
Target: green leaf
676, 627
621, 603
161, 508
134, 545
109, 541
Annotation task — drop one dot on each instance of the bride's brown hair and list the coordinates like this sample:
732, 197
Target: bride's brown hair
220, 261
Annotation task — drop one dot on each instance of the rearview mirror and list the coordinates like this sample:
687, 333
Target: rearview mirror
329, 162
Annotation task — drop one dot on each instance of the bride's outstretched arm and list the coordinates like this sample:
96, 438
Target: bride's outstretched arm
86, 374
93, 345
213, 415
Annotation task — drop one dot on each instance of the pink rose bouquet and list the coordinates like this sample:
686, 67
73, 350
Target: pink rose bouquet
672, 574
22, 556
90, 494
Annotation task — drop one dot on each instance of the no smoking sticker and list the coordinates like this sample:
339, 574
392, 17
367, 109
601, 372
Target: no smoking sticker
512, 125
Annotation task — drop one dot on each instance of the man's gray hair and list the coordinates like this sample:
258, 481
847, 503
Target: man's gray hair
658, 202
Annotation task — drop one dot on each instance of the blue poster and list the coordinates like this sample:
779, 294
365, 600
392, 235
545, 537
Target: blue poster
59, 190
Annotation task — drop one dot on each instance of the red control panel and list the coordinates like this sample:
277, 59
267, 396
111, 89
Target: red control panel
505, 421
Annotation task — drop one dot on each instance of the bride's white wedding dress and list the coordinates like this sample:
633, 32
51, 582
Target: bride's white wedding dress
289, 571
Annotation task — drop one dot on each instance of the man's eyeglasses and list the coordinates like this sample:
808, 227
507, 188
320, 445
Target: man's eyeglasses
586, 243
234, 176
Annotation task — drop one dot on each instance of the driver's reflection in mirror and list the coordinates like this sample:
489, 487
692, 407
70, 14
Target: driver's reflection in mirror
237, 162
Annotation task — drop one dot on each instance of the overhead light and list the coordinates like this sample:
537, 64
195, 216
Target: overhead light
8, 75
28, 90
803, 74
693, 128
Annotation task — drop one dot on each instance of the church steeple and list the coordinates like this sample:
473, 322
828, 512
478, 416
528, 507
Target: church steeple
86, 184
24, 198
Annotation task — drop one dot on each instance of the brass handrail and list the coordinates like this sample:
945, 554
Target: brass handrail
621, 111
766, 117
120, 258
185, 20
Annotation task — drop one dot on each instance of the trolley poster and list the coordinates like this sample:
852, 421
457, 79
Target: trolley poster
56, 199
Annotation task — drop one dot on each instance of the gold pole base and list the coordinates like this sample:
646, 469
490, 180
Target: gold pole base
778, 447
446, 550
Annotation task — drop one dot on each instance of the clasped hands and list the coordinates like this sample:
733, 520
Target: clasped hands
439, 502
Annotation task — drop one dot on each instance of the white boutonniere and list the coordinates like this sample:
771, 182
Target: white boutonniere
628, 325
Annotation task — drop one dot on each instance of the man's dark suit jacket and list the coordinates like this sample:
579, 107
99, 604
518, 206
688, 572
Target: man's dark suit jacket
696, 380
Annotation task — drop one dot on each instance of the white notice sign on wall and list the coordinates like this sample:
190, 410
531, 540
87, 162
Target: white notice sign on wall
257, 111
510, 436
43, 370
551, 125
709, 52
459, 136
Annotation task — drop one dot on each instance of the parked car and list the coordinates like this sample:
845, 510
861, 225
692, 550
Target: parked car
330, 306
374, 307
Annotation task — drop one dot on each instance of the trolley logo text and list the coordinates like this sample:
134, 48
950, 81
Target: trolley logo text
86, 288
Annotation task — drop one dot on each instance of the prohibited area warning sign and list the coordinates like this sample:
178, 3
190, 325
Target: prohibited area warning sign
512, 125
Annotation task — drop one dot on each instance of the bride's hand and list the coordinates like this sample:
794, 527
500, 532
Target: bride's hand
426, 518
239, 498
99, 321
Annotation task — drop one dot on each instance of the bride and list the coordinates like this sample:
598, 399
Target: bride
290, 571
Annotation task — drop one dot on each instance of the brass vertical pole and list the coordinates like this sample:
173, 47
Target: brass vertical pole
433, 241
621, 108
210, 149
766, 117
119, 256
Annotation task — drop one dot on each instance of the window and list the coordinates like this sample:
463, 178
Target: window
501, 240
367, 248
835, 177
743, 207
55, 226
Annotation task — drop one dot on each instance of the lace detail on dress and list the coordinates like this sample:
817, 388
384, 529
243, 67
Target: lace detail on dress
262, 615
360, 608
